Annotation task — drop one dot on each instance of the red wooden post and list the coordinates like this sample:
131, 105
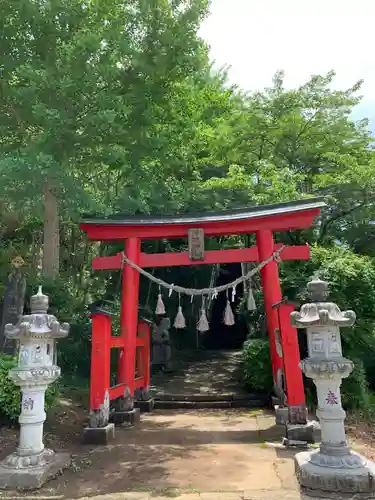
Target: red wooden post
148, 358
293, 373
272, 296
100, 359
129, 314
146, 354
139, 362
289, 341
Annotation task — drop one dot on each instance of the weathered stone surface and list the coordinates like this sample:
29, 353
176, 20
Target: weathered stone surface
31, 478
335, 479
275, 401
145, 406
99, 417
308, 432
99, 435
297, 414
295, 444
131, 417
282, 415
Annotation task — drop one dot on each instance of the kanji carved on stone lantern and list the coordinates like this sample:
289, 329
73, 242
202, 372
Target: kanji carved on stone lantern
334, 467
32, 464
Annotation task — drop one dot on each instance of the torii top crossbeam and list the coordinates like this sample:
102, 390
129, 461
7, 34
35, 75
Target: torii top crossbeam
279, 217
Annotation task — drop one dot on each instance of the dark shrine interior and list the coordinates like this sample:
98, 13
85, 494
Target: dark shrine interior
221, 336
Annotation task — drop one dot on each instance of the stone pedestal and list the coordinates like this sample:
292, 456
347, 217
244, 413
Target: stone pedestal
129, 417
145, 406
302, 434
334, 467
281, 415
31, 464
299, 431
143, 400
124, 412
99, 435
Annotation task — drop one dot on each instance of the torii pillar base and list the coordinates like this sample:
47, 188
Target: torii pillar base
302, 434
127, 417
146, 406
99, 435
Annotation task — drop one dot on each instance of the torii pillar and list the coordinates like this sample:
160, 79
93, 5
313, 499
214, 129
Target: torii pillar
129, 321
283, 339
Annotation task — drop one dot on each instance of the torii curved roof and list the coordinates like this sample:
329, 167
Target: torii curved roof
278, 217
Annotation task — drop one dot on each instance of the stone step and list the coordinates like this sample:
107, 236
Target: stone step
173, 404
160, 396
250, 403
254, 494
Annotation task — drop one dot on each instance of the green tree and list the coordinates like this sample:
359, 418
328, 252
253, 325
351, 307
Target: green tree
82, 86
293, 143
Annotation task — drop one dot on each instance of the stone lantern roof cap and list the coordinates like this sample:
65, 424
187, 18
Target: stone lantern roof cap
319, 312
39, 302
318, 290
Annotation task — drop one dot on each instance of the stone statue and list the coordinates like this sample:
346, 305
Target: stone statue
161, 349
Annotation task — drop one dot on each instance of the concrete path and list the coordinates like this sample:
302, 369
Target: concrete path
182, 455
183, 452
243, 495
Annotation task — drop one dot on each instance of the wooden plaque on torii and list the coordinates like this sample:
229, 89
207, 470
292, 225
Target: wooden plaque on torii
196, 244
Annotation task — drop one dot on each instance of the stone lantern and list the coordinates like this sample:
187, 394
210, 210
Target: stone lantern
32, 464
333, 467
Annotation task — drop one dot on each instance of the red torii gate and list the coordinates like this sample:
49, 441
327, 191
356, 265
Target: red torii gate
261, 220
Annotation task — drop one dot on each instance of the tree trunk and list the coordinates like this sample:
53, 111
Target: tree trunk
51, 242
14, 300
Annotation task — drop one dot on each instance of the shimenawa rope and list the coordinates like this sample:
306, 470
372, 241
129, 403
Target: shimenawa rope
203, 291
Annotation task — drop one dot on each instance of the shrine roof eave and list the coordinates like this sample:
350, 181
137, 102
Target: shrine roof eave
279, 217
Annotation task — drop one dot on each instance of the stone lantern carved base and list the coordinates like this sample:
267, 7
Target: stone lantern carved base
350, 473
20, 461
30, 472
